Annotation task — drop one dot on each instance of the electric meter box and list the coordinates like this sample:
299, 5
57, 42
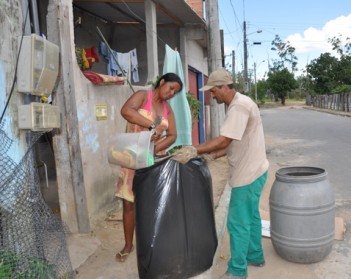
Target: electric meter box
38, 117
38, 66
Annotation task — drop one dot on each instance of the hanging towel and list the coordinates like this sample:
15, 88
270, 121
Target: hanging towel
179, 103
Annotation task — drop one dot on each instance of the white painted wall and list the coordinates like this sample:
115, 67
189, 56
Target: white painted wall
197, 57
100, 176
10, 31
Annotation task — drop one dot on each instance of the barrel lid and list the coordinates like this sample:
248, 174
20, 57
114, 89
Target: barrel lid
301, 174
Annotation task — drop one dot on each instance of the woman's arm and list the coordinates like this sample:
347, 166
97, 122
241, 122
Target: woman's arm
130, 109
171, 132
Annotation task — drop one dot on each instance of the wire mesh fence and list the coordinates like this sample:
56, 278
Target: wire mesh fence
32, 238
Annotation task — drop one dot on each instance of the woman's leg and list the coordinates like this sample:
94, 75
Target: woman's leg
128, 227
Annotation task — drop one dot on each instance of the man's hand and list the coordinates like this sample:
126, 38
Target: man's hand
185, 154
208, 157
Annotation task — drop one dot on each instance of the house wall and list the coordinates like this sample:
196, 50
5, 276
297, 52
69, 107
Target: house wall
123, 38
197, 56
197, 6
10, 30
169, 36
100, 176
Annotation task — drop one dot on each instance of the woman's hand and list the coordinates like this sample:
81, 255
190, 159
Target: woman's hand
156, 135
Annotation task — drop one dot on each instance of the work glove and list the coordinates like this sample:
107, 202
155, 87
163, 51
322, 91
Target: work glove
185, 154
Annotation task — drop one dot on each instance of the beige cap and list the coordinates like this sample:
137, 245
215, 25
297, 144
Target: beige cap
218, 78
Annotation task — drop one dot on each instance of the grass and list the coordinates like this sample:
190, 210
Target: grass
288, 102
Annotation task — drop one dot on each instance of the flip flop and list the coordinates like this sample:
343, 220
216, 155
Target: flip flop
122, 257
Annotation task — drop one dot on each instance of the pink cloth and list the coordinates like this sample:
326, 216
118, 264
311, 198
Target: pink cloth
100, 79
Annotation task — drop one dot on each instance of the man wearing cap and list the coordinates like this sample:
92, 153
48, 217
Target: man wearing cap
242, 140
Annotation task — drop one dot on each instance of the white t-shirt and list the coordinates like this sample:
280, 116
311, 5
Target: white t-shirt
247, 152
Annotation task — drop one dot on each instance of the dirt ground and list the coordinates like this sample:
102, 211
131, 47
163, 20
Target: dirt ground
110, 233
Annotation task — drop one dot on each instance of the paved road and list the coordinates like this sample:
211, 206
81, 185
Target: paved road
305, 137
300, 137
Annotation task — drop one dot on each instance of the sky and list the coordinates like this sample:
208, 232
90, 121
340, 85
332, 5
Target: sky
306, 24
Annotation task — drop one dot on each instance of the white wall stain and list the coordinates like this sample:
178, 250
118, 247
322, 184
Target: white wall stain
92, 141
2, 88
86, 127
16, 151
81, 114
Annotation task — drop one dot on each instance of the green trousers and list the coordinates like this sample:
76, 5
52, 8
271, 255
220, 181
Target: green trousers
244, 226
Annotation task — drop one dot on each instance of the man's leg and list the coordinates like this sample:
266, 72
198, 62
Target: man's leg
238, 224
255, 252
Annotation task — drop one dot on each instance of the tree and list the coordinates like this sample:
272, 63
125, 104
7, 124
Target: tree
322, 73
304, 86
280, 82
286, 54
329, 74
280, 79
262, 88
239, 82
337, 44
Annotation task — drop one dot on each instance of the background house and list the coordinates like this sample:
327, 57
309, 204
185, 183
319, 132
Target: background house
81, 181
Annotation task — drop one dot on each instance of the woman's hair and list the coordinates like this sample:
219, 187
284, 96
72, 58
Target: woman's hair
170, 77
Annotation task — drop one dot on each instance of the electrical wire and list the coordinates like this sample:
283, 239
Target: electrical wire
111, 51
151, 31
114, 57
147, 30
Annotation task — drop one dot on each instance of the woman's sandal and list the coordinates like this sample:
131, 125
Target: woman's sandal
122, 256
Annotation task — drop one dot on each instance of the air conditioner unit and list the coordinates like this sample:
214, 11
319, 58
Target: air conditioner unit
38, 117
38, 66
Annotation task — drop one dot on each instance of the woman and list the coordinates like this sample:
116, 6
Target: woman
146, 110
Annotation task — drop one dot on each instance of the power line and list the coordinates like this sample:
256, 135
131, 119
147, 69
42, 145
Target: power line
225, 23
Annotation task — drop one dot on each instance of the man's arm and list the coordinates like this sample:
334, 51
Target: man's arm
216, 145
213, 146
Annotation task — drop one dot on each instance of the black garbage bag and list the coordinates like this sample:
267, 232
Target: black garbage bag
175, 227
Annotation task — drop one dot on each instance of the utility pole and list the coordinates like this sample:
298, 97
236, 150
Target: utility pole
255, 82
214, 62
233, 65
246, 79
246, 82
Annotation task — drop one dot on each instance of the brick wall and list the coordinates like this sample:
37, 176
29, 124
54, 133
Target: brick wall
197, 6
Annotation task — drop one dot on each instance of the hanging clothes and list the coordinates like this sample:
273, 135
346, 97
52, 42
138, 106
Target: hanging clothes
179, 103
126, 64
123, 67
134, 65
